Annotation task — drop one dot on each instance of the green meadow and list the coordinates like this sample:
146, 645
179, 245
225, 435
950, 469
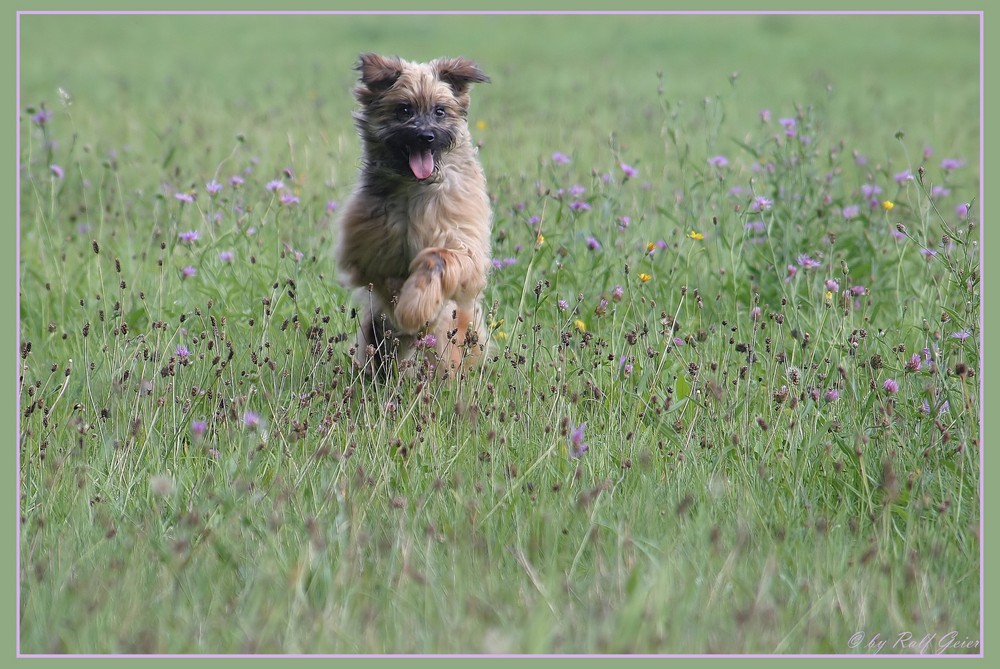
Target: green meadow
732, 396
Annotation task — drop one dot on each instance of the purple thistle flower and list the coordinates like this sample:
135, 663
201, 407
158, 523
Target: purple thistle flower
832, 286
534, 220
42, 117
806, 262
851, 211
903, 177
288, 199
560, 158
630, 172
718, 161
755, 314
951, 164
890, 386
961, 335
914, 364
332, 205
760, 203
236, 181
765, 115
226, 256
427, 341
577, 446
213, 187
962, 210
755, 226
184, 197
616, 293
188, 272
789, 124
576, 190
500, 263
275, 185
678, 341
579, 205
858, 291
198, 428
870, 190
56, 171
939, 192
831, 395
563, 305
790, 272
593, 244
182, 352
251, 419
188, 237
623, 223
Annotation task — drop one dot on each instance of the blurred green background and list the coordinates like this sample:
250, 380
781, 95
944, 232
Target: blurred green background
559, 82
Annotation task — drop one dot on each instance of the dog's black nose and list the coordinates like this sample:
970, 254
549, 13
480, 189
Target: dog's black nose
426, 137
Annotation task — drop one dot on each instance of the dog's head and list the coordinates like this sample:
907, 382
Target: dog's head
412, 113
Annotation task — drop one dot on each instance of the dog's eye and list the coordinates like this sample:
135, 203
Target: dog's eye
404, 111
440, 112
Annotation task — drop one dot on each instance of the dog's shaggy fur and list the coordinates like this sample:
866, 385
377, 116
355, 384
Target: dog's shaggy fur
414, 236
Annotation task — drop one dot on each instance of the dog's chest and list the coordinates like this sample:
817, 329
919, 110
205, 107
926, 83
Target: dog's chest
411, 225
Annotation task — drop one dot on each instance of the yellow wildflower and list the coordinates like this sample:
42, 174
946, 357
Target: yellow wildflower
888, 205
644, 277
650, 247
481, 124
697, 236
539, 239
580, 325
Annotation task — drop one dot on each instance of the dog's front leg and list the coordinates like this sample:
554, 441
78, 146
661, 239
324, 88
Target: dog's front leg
436, 276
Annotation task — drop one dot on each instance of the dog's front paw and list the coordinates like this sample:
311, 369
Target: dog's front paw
419, 302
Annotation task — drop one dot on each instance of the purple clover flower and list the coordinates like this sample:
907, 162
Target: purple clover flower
226, 256
832, 286
182, 352
184, 197
213, 187
593, 244
188, 237
718, 161
890, 386
188, 272
831, 395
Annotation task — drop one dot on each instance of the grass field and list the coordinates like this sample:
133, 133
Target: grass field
736, 259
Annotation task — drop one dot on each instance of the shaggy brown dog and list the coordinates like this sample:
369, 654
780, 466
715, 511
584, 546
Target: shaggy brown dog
415, 235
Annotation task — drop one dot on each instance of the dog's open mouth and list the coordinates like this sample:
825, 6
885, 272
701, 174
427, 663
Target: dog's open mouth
421, 162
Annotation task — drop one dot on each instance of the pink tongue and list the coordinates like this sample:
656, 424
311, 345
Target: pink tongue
422, 163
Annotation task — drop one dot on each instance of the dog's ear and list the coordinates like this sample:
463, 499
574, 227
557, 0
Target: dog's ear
377, 74
459, 73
